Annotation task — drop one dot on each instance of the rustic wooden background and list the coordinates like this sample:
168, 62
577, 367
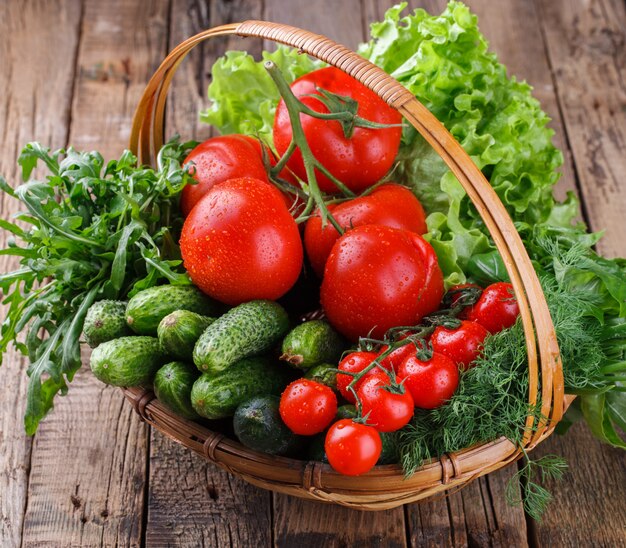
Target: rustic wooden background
94, 475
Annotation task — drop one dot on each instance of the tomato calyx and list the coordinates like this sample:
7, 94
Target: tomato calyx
343, 109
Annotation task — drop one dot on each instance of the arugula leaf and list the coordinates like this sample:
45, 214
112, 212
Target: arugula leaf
95, 231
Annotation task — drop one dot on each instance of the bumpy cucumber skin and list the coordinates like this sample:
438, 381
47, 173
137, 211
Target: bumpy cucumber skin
258, 425
215, 396
179, 331
105, 320
246, 330
172, 387
127, 361
146, 309
324, 373
312, 343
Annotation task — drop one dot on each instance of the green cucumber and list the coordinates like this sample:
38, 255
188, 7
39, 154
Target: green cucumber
215, 396
105, 320
246, 330
172, 387
148, 307
347, 411
312, 343
324, 373
127, 361
258, 425
179, 331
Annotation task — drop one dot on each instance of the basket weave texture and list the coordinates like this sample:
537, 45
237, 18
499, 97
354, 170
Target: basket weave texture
385, 486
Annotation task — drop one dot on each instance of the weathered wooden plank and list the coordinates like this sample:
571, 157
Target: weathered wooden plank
297, 522
190, 502
35, 106
586, 44
589, 504
304, 524
89, 459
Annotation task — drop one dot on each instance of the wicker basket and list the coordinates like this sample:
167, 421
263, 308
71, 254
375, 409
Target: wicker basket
385, 486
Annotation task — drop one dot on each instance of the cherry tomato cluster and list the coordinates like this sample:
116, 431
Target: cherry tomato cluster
241, 241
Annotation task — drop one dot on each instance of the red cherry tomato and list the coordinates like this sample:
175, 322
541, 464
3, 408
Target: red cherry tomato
358, 161
378, 277
307, 407
496, 309
430, 382
462, 345
389, 205
453, 294
387, 408
218, 159
354, 362
240, 243
352, 448
397, 356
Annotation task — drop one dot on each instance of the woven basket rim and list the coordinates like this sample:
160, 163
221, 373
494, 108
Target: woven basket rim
316, 480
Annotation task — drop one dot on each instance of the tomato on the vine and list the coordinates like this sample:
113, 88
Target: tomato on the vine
431, 382
354, 362
390, 205
378, 277
240, 243
462, 344
496, 309
387, 407
358, 161
394, 359
454, 293
352, 448
218, 159
307, 407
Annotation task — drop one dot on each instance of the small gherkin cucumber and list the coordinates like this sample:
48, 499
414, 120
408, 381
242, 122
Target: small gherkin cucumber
105, 320
246, 330
258, 425
172, 386
312, 343
215, 396
323, 373
127, 361
347, 411
148, 307
179, 331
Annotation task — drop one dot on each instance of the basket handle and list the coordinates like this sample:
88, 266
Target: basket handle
147, 138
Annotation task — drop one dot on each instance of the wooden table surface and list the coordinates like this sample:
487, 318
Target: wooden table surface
71, 72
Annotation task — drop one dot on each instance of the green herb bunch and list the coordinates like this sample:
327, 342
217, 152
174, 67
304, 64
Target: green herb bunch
92, 231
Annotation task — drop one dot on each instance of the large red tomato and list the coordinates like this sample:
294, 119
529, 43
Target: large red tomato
240, 243
218, 159
389, 205
378, 277
358, 161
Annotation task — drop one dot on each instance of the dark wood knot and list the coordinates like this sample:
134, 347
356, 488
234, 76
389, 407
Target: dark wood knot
140, 404
210, 445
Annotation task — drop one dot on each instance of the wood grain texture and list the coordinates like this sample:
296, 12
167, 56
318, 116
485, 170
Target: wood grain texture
191, 502
586, 45
89, 459
35, 105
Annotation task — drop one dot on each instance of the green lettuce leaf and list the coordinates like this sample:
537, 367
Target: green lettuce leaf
243, 95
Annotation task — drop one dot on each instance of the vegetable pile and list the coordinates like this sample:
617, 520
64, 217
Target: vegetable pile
316, 273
